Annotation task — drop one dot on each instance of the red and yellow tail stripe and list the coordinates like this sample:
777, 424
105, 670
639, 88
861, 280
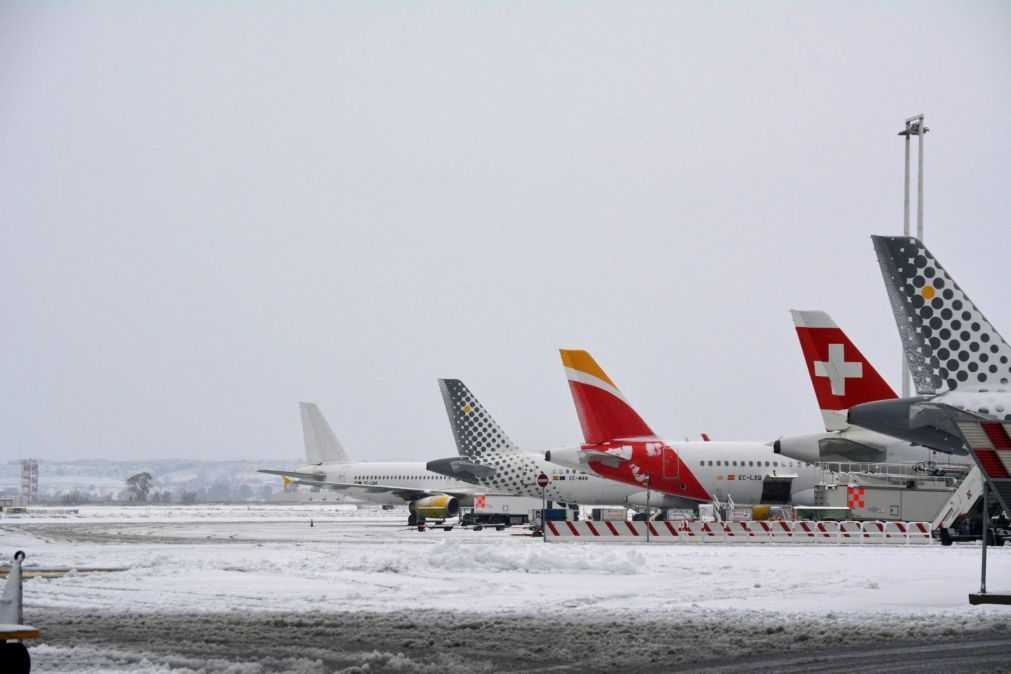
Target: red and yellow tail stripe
604, 414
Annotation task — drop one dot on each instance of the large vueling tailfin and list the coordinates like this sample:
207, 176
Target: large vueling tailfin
949, 343
476, 433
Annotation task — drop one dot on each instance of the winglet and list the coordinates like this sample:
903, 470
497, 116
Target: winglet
603, 412
949, 344
841, 376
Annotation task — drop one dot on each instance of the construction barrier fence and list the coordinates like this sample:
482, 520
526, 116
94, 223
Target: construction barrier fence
793, 532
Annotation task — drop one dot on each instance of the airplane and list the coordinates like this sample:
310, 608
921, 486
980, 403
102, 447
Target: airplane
428, 495
488, 457
620, 446
842, 377
959, 363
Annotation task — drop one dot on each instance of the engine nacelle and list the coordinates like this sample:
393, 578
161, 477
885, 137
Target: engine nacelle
437, 507
831, 446
656, 499
800, 447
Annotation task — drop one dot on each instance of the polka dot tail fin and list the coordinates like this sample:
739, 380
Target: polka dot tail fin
949, 343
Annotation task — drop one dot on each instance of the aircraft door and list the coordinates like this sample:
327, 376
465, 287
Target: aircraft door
671, 463
776, 490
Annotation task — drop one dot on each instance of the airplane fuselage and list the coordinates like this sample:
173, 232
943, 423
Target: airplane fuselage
695, 471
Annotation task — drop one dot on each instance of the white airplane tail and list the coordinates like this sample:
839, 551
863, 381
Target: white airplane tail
321, 444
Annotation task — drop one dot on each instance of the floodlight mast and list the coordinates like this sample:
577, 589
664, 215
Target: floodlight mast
914, 127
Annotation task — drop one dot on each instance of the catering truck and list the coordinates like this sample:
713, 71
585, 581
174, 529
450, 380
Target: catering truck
499, 511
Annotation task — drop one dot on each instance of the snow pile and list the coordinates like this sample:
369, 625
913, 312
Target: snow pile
76, 659
554, 559
388, 662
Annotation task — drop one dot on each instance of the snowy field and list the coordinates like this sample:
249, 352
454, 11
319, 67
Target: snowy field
256, 589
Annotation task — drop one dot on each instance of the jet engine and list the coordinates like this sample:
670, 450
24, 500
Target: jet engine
831, 446
438, 507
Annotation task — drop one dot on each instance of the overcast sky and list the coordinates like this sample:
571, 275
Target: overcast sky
209, 212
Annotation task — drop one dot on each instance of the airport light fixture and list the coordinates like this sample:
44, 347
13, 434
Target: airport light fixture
915, 126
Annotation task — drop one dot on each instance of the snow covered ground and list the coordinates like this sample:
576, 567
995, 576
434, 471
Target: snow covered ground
256, 589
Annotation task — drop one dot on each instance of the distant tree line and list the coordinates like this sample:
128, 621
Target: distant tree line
140, 488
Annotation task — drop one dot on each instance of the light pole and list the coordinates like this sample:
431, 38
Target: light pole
914, 127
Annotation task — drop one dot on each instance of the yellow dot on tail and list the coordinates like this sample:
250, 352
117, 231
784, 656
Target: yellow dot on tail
467, 408
928, 292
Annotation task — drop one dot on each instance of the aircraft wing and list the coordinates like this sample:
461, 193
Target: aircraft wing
294, 475
406, 493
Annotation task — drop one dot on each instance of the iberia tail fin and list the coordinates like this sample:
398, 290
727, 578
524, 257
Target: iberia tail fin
604, 414
841, 376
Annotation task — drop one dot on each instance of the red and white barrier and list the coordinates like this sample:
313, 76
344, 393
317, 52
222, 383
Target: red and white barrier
805, 531
851, 532
919, 533
758, 532
896, 532
874, 532
827, 532
792, 532
736, 532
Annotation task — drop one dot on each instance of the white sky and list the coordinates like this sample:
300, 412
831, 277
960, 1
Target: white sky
209, 212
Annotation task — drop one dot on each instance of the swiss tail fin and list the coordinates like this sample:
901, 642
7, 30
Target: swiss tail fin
604, 414
841, 376
949, 344
476, 433
321, 445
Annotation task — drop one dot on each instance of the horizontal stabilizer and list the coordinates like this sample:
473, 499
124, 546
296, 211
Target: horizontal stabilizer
606, 458
461, 469
294, 475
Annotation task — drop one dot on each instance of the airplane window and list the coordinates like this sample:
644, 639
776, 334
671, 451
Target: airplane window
766, 464
702, 463
735, 463
710, 463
